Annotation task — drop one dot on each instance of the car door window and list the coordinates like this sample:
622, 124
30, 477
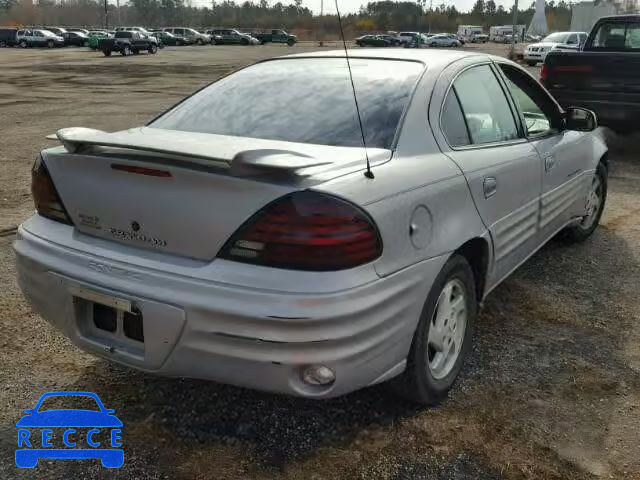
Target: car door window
539, 112
572, 40
485, 107
452, 121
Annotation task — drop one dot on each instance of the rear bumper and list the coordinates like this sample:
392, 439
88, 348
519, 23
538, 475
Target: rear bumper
259, 338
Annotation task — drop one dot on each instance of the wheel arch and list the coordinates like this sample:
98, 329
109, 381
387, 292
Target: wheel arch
477, 252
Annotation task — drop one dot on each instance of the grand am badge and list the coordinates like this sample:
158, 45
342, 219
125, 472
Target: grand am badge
136, 236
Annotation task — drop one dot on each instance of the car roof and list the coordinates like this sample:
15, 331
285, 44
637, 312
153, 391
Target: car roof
427, 56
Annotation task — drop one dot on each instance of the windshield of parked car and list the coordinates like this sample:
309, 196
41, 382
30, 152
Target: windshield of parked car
307, 100
558, 37
68, 402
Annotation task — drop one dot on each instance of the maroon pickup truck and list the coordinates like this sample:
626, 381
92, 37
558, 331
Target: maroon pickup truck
604, 76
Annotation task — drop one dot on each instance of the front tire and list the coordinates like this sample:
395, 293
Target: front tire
153, 49
23, 44
200, 42
107, 53
595, 201
443, 336
126, 51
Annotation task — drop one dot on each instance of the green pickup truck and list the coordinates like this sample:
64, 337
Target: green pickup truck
275, 36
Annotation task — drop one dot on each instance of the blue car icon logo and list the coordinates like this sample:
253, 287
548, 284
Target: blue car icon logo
98, 427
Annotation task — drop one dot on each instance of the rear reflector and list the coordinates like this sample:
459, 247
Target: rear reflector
152, 172
306, 231
45, 196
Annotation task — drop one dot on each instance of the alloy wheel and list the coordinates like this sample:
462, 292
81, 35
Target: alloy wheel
594, 202
447, 329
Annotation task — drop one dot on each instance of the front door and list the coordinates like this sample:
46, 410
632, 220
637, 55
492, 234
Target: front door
564, 153
502, 168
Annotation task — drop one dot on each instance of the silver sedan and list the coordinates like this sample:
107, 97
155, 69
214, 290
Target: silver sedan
443, 40
254, 240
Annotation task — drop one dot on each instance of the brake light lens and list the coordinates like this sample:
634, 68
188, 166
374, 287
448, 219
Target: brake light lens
544, 73
306, 231
45, 196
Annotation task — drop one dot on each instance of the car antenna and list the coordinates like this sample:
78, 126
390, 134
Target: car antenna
368, 173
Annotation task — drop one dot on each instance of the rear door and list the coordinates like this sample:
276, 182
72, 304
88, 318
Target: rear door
39, 39
565, 154
484, 138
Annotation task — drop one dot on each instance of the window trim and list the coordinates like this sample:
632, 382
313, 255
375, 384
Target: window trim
552, 132
472, 146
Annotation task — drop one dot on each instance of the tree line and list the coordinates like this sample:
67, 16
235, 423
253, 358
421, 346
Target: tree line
373, 17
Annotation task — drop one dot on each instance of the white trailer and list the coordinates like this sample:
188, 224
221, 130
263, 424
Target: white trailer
468, 31
497, 33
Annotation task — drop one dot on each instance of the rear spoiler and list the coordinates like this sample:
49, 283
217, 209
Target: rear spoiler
243, 162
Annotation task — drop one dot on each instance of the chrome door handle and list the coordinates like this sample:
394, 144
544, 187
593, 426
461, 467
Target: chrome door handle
549, 162
490, 186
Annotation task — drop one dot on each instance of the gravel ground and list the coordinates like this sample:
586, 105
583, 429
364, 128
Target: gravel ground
551, 390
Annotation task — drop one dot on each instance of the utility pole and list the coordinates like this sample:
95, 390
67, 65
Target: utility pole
512, 53
430, 14
106, 15
321, 29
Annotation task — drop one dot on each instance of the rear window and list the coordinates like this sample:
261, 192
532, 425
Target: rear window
306, 100
124, 35
617, 36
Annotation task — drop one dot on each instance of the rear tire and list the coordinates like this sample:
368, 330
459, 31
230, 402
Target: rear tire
107, 53
443, 336
596, 199
200, 42
23, 44
126, 51
290, 43
153, 49
50, 44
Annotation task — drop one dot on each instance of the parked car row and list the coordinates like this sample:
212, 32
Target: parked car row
410, 40
171, 36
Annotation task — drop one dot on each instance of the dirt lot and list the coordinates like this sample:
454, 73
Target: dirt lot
551, 391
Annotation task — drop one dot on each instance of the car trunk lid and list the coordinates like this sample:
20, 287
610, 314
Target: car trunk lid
183, 193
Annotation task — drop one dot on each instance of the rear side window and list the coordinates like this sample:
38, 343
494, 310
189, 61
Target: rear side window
485, 107
617, 36
310, 100
452, 121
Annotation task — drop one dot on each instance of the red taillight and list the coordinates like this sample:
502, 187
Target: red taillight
45, 196
544, 73
306, 231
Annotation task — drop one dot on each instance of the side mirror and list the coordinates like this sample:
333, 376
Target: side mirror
580, 119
